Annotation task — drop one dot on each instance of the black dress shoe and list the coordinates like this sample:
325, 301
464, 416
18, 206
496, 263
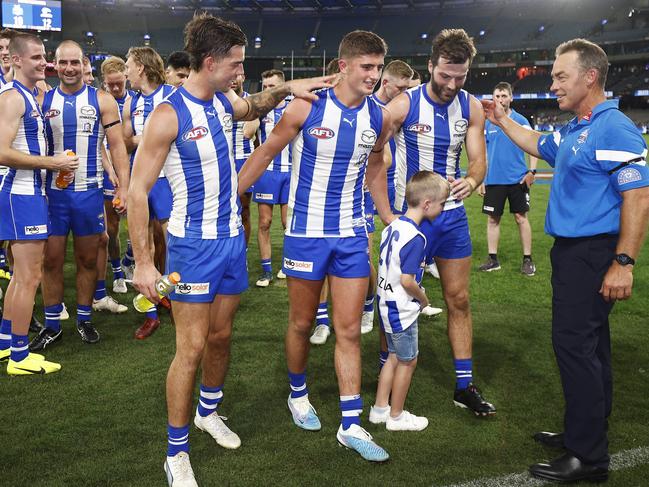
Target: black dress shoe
568, 468
553, 440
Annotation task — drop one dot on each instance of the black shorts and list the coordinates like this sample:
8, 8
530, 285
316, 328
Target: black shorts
496, 194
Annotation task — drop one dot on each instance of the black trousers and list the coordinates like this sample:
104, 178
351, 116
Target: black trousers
581, 341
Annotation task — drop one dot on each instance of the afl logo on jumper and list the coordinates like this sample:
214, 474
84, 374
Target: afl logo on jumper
194, 134
420, 128
321, 132
52, 113
139, 112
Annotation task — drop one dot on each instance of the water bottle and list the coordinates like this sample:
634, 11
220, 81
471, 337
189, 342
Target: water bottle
63, 179
165, 285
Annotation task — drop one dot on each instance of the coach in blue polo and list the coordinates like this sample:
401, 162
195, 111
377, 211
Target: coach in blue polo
598, 214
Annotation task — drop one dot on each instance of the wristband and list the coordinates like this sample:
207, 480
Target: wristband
533, 171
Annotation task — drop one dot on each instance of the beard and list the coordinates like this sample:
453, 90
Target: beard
443, 95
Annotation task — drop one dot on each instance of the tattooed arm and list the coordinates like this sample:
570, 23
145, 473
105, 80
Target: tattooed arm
257, 105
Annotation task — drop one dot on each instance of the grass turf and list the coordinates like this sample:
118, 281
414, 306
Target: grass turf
102, 419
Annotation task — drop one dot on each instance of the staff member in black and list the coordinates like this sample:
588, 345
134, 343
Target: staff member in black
598, 213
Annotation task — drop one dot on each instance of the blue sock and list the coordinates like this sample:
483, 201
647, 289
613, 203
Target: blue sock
369, 303
177, 440
266, 266
52, 316
116, 264
209, 399
83, 313
351, 408
5, 334
463, 372
152, 313
298, 385
100, 290
19, 347
322, 316
128, 259
383, 357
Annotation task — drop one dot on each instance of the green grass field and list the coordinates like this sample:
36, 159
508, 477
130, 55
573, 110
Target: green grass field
101, 421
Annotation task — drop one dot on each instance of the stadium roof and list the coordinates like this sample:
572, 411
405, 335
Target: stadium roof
319, 6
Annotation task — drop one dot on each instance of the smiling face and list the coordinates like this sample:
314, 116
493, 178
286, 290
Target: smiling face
69, 65
31, 62
5, 58
134, 73
570, 83
361, 73
446, 79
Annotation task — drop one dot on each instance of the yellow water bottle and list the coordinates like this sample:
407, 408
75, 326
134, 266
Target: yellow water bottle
165, 285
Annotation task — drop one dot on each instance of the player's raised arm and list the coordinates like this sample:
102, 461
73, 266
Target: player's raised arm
376, 175
259, 104
159, 133
112, 128
285, 131
476, 152
523, 137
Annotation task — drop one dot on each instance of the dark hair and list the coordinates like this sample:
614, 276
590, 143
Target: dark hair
333, 67
206, 35
504, 86
273, 72
455, 45
590, 56
361, 43
20, 40
8, 33
178, 60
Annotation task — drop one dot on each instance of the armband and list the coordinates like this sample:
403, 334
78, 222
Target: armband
624, 164
109, 125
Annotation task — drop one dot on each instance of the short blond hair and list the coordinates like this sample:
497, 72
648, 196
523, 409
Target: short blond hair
398, 69
426, 184
112, 65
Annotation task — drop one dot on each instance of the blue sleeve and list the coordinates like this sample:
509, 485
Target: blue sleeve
412, 255
548, 146
622, 142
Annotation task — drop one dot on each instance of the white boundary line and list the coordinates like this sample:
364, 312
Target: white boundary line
619, 461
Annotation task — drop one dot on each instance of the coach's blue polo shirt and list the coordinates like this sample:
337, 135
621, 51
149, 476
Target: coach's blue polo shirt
506, 161
585, 199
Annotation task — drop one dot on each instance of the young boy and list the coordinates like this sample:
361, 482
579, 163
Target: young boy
400, 298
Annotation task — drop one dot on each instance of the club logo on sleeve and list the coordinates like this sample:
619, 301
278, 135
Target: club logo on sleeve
194, 134
52, 113
298, 265
420, 128
628, 175
322, 133
193, 288
227, 121
35, 229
